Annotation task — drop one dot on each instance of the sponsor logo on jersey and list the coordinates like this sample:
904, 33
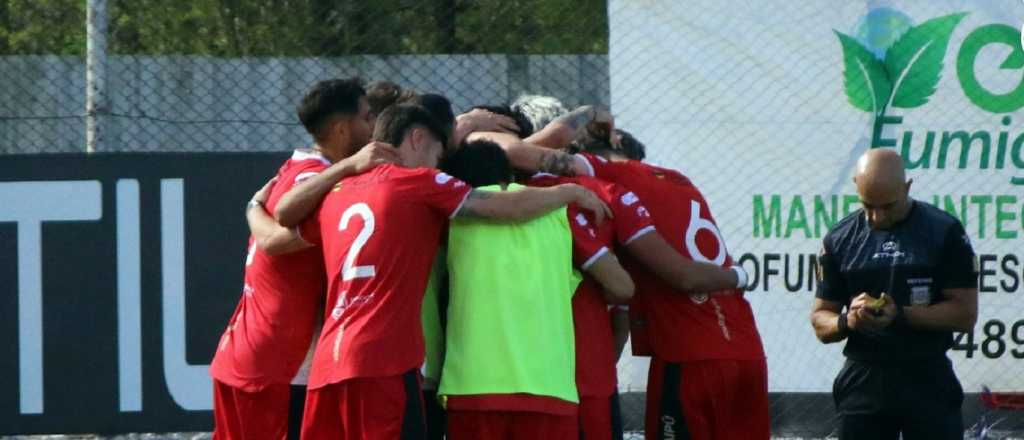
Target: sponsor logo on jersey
442, 178
629, 198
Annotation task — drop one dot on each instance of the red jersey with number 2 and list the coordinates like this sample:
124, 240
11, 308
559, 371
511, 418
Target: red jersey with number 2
380, 231
683, 327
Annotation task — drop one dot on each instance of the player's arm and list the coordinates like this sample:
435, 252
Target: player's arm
271, 237
564, 129
959, 281
533, 158
615, 282
481, 120
828, 325
825, 319
304, 197
682, 273
620, 329
530, 203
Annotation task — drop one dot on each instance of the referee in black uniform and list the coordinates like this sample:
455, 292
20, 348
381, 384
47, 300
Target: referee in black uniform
896, 279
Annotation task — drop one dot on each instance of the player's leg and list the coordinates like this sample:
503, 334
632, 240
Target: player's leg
932, 401
738, 391
675, 408
595, 418
616, 415
296, 402
861, 392
434, 414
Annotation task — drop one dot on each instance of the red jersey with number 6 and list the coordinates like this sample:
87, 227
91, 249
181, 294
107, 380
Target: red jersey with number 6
270, 332
683, 327
380, 231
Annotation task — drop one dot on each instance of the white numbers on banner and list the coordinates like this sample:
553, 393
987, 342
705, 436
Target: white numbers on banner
696, 224
349, 270
252, 252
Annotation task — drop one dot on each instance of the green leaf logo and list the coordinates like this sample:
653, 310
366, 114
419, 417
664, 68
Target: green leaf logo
910, 72
867, 83
914, 61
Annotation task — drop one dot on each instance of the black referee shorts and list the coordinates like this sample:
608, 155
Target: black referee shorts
921, 399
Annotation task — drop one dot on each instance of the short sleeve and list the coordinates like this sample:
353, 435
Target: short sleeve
957, 267
632, 220
444, 194
587, 245
831, 286
292, 175
596, 166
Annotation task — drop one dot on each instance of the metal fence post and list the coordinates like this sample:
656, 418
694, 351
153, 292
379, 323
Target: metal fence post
95, 72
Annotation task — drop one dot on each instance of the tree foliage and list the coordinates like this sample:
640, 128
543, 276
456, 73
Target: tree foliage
300, 28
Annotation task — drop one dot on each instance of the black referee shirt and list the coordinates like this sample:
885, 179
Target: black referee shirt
913, 262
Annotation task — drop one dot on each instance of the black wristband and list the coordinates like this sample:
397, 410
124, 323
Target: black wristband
844, 327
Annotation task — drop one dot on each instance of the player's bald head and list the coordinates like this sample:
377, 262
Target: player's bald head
880, 170
882, 186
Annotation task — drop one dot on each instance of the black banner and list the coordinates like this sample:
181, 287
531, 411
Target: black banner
118, 273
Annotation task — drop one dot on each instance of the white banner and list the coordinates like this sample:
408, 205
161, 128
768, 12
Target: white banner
766, 105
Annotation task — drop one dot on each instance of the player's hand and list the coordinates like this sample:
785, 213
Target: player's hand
870, 315
483, 120
602, 126
263, 194
373, 154
587, 200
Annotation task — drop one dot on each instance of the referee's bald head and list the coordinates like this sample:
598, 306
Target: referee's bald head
883, 187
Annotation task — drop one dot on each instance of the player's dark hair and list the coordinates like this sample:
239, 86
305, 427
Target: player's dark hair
439, 107
479, 163
382, 94
630, 146
526, 127
396, 121
329, 98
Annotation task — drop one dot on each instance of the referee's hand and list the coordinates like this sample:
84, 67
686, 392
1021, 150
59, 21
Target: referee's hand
870, 320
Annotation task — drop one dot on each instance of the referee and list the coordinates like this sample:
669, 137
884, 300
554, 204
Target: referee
906, 275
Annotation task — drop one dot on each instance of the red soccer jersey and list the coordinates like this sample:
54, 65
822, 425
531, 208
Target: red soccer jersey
683, 327
380, 231
595, 348
272, 327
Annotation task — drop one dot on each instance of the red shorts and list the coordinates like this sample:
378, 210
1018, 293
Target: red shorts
717, 399
366, 408
600, 418
240, 415
476, 425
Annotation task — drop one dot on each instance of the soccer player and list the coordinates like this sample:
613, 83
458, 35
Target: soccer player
509, 368
917, 261
272, 328
708, 375
380, 231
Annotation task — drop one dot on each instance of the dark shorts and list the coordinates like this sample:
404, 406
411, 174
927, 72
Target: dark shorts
879, 401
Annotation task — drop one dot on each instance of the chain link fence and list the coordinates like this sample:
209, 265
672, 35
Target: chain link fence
223, 76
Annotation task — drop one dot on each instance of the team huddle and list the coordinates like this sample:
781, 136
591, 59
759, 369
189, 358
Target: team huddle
420, 275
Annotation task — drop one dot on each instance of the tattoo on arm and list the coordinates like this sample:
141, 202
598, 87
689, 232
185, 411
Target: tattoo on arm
469, 209
556, 162
578, 118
